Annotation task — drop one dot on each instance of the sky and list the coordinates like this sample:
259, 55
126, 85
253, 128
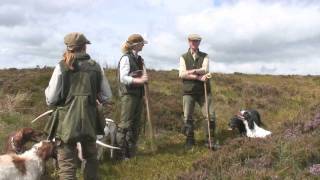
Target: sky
247, 36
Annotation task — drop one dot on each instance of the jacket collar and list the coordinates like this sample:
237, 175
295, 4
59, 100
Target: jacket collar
82, 56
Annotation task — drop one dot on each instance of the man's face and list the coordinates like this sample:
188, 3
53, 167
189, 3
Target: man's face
194, 44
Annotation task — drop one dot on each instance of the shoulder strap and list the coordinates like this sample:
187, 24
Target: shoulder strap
63, 66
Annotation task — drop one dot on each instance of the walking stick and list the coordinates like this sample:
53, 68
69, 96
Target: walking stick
146, 98
207, 108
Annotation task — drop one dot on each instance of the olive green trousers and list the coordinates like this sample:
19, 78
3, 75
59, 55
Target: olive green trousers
67, 161
189, 102
130, 123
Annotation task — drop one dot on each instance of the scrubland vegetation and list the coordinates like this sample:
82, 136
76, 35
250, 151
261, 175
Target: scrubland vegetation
289, 107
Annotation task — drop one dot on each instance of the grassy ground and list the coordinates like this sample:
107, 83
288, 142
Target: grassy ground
287, 104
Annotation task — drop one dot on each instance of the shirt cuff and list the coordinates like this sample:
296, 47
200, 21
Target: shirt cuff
127, 80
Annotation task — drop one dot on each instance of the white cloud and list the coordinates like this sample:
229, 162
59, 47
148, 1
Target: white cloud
179, 6
295, 67
255, 31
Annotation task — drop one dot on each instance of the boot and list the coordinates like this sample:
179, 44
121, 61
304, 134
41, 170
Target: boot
121, 139
132, 145
190, 142
188, 132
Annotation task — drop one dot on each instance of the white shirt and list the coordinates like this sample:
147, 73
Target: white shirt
55, 87
124, 69
203, 70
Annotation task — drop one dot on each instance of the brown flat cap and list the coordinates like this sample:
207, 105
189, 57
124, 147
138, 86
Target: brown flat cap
194, 37
75, 39
135, 39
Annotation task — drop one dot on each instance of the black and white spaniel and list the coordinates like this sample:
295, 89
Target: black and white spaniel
249, 123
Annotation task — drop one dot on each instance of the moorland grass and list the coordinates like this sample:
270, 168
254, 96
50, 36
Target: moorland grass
286, 104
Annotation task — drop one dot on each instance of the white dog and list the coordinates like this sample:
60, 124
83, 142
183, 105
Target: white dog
110, 131
28, 165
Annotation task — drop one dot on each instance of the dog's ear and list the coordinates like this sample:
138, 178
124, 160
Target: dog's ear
234, 121
246, 115
27, 131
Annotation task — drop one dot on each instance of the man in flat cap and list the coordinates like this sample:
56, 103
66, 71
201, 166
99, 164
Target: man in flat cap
132, 77
194, 66
77, 83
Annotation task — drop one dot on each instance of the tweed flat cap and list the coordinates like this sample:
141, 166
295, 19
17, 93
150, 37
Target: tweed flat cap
194, 37
75, 39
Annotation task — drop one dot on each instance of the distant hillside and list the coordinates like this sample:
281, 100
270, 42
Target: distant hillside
287, 104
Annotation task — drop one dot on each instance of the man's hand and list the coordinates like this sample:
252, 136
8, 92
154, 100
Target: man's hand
193, 71
202, 78
141, 80
200, 71
144, 78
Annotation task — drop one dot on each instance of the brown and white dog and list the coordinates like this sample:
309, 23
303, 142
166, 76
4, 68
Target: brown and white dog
28, 165
17, 140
